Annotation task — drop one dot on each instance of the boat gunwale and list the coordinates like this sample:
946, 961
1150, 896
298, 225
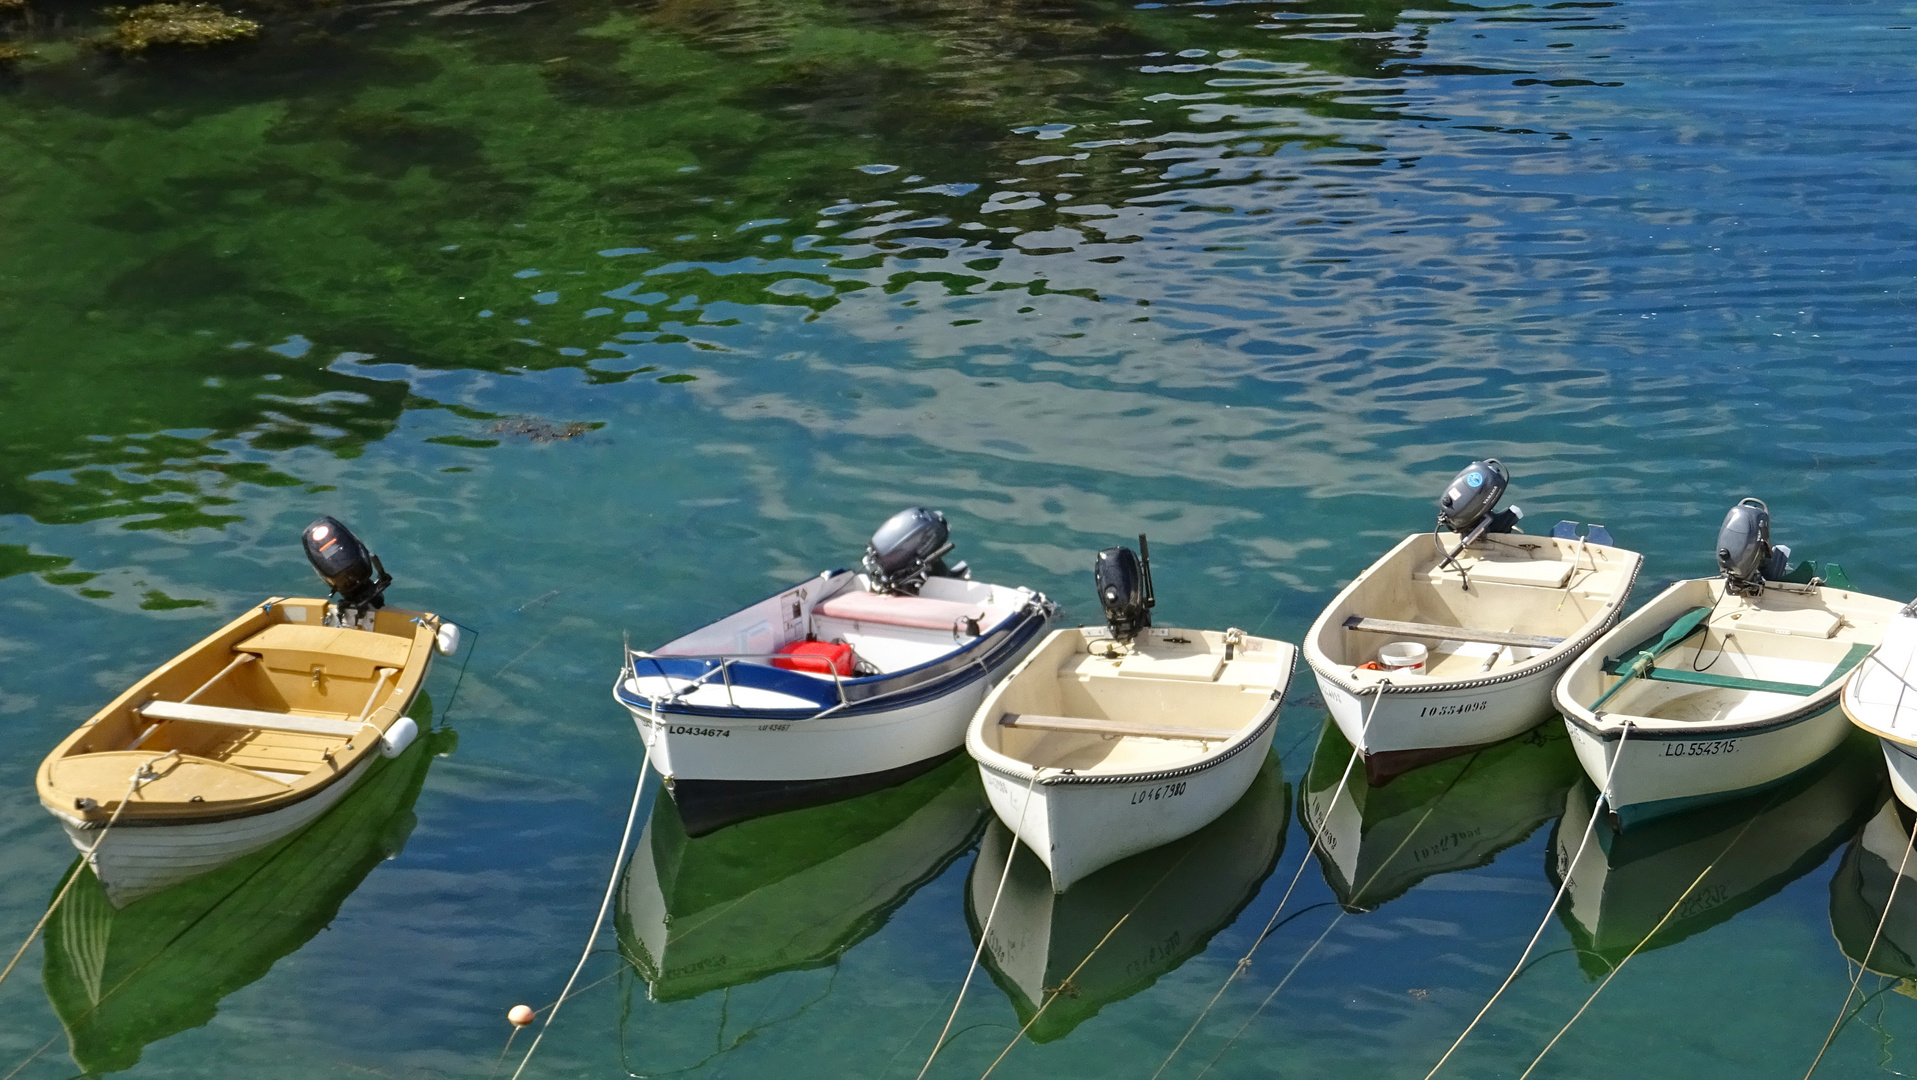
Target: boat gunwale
1562, 653
1012, 768
170, 814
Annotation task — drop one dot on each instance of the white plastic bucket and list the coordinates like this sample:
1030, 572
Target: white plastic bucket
1404, 657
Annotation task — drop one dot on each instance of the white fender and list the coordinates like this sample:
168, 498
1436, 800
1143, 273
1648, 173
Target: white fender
447, 640
398, 737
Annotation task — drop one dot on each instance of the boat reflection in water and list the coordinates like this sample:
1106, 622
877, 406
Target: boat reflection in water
786, 892
1179, 895
1375, 843
1861, 890
122, 979
1746, 851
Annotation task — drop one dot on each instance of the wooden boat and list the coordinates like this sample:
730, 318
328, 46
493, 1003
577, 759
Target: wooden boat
1879, 698
786, 891
1628, 880
246, 736
1500, 618
1376, 843
1861, 900
1726, 684
836, 686
1177, 896
1112, 740
120, 980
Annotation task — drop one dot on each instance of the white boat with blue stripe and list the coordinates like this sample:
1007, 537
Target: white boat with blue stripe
835, 686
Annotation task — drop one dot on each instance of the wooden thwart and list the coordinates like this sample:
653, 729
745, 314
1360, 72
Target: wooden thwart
249, 718
1084, 725
1454, 633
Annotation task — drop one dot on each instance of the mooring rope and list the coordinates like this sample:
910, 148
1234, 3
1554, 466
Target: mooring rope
612, 885
1244, 962
1589, 828
1859, 977
985, 930
140, 776
1681, 897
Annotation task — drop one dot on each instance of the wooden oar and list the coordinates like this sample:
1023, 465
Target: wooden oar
1684, 627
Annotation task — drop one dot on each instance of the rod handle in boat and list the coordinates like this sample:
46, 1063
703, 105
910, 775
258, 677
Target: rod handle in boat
1145, 567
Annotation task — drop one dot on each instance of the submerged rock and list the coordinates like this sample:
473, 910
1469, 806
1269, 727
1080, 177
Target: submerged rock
137, 29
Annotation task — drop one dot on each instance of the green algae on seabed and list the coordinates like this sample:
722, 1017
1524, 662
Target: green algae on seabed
138, 29
121, 980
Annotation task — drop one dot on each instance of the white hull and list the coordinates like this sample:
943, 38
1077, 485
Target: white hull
1077, 829
1903, 771
1691, 742
1083, 799
1561, 595
1878, 698
138, 861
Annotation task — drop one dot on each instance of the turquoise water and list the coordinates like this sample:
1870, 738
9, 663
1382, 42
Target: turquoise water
604, 320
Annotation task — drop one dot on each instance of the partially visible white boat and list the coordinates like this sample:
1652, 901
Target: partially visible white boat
1881, 697
1499, 617
1720, 686
1110, 741
836, 686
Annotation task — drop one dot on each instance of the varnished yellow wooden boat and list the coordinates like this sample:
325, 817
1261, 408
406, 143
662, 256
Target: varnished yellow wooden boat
247, 735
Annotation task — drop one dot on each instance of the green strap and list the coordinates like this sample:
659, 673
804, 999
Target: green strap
1734, 682
1851, 659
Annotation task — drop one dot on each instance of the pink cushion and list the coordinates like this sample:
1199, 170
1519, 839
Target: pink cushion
919, 612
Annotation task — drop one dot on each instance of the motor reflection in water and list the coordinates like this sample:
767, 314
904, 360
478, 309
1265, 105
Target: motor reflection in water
1375, 843
1706, 865
123, 979
1178, 896
701, 918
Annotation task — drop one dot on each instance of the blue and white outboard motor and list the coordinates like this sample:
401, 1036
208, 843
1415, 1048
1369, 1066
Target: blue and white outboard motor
1469, 508
910, 547
1745, 554
1124, 583
351, 572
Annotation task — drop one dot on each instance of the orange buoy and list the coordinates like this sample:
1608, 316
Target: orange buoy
520, 1015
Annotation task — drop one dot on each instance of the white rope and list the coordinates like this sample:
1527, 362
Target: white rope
612, 885
1244, 962
1589, 827
1859, 977
985, 931
140, 776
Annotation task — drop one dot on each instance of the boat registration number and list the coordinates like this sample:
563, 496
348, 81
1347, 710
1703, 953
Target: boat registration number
712, 732
1698, 749
1162, 791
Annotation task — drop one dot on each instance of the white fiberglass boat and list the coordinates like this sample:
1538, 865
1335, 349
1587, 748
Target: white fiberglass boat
1720, 686
1879, 698
1491, 624
836, 686
1107, 742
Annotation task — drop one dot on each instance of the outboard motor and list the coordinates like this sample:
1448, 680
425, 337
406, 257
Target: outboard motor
1745, 555
1467, 506
1124, 583
910, 547
353, 573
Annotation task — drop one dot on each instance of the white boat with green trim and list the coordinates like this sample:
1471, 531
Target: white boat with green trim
1720, 686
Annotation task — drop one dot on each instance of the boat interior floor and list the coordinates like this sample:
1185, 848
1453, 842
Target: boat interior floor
1737, 675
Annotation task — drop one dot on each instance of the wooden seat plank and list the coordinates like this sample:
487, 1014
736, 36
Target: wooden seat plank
1454, 633
249, 718
1088, 726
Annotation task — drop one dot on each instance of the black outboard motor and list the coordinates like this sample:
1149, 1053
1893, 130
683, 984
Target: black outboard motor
910, 547
1466, 506
353, 573
1124, 583
1745, 555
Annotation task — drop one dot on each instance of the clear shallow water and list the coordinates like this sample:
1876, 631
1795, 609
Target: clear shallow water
1254, 278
